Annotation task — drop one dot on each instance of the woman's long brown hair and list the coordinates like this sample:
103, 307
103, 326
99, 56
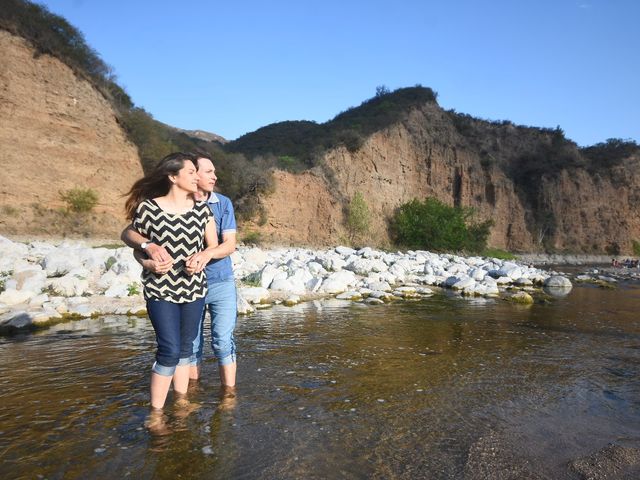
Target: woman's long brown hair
156, 183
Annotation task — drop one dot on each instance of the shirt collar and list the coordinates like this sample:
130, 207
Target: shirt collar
212, 198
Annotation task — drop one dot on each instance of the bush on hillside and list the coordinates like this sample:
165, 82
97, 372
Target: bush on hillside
358, 217
80, 200
432, 225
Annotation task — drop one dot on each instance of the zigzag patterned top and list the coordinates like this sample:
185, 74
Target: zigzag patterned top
182, 235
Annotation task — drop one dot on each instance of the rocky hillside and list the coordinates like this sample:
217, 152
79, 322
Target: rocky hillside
540, 189
57, 133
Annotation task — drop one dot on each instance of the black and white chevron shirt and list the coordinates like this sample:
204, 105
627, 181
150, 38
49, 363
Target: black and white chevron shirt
182, 235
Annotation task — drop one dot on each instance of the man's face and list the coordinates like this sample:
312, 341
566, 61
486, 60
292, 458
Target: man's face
206, 175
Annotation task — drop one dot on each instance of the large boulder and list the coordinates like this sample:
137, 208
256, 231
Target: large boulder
558, 281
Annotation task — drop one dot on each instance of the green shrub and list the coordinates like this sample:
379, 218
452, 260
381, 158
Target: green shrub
133, 289
612, 249
498, 253
358, 217
636, 247
80, 199
432, 225
110, 262
9, 211
252, 237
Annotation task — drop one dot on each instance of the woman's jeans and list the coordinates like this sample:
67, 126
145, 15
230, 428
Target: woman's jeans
222, 304
176, 326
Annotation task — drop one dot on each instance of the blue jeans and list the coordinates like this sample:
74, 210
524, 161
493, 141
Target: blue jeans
176, 326
222, 304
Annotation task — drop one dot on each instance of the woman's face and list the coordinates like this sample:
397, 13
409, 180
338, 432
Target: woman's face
187, 178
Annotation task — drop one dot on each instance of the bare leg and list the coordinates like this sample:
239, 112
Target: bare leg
228, 374
194, 372
159, 389
181, 379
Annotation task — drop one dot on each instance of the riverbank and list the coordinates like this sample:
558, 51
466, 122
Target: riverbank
43, 282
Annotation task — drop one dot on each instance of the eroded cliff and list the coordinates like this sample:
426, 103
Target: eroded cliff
57, 132
574, 205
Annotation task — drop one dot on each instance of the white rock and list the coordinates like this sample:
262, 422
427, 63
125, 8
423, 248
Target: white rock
39, 300
478, 274
17, 319
243, 306
267, 275
291, 300
556, 281
316, 269
381, 286
68, 285
350, 295
338, 282
464, 283
12, 296
523, 282
344, 251
313, 285
452, 280
119, 290
373, 301
61, 261
255, 256
254, 294
331, 262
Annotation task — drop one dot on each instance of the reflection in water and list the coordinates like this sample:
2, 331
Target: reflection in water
441, 388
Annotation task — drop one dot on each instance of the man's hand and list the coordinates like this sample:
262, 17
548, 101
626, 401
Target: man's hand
157, 266
158, 253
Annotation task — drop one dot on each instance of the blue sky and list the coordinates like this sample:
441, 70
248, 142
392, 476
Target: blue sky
232, 67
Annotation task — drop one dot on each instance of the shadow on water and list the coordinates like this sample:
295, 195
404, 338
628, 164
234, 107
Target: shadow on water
441, 388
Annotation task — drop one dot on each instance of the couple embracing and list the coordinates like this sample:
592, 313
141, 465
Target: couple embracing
182, 234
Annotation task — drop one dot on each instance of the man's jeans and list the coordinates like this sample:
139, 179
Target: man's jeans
222, 304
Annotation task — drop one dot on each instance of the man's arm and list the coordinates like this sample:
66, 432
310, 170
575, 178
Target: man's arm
133, 239
156, 266
226, 248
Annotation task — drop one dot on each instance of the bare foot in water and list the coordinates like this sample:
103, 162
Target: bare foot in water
183, 407
156, 422
228, 398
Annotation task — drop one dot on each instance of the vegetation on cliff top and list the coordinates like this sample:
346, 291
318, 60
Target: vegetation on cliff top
303, 142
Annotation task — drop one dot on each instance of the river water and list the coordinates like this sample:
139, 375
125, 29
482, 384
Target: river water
443, 387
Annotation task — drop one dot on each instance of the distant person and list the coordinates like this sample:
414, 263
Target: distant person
162, 208
221, 297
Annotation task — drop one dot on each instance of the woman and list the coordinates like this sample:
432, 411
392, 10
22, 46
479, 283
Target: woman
162, 207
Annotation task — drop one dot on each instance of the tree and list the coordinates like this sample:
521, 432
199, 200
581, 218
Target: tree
434, 225
358, 217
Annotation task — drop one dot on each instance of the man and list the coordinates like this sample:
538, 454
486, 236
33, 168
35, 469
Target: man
221, 294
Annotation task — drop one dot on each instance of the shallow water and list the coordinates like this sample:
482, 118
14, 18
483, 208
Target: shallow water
439, 388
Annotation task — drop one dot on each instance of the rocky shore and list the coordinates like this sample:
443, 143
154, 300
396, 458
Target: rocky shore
43, 283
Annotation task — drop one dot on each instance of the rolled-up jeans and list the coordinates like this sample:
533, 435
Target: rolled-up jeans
176, 326
222, 304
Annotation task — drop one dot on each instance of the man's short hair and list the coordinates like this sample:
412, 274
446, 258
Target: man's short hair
202, 154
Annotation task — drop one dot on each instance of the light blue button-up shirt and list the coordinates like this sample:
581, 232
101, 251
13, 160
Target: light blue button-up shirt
221, 269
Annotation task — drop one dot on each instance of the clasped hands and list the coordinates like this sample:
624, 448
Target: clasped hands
159, 261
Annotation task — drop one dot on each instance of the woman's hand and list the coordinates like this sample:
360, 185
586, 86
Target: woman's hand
159, 267
195, 263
